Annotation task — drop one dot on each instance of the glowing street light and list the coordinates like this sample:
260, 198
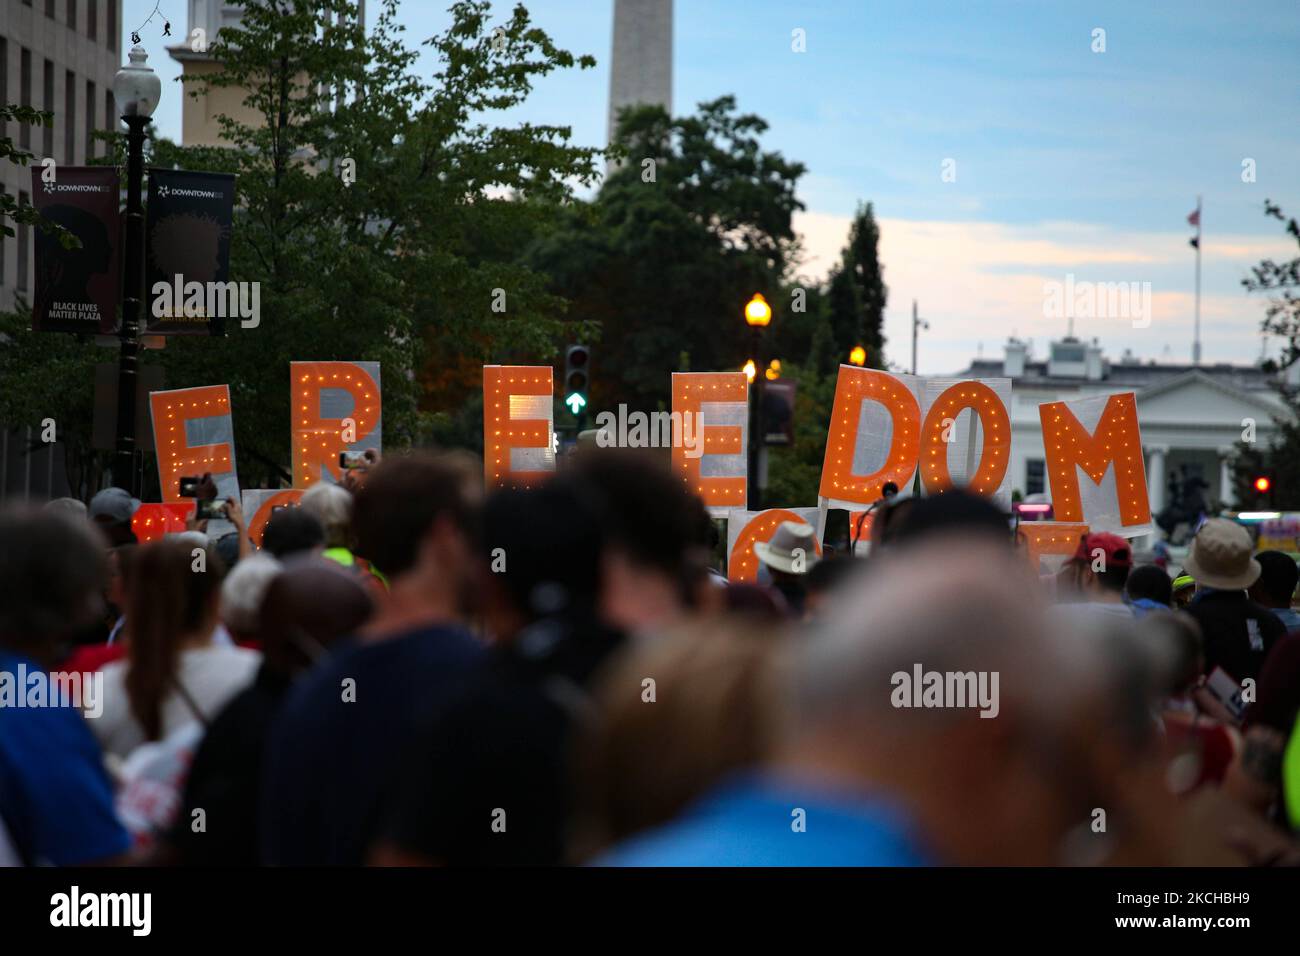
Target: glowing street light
858, 356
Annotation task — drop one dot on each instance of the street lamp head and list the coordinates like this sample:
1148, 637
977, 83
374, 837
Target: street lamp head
757, 312
750, 370
136, 87
858, 356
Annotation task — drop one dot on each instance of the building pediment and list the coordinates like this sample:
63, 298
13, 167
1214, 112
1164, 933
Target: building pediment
1196, 398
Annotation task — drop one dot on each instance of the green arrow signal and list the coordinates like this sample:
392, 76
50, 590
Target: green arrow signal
575, 402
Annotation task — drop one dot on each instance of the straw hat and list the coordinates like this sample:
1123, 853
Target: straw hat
1220, 556
793, 541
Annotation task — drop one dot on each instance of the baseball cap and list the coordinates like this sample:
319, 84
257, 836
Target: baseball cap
113, 506
1114, 549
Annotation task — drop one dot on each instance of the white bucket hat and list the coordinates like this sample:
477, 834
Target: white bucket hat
1221, 558
793, 548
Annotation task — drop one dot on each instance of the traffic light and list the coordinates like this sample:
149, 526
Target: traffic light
1262, 484
577, 371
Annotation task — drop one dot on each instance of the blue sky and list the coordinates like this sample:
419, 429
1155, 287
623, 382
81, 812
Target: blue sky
1068, 161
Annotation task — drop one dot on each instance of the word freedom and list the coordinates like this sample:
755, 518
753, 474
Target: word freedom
36, 688
946, 689
180, 300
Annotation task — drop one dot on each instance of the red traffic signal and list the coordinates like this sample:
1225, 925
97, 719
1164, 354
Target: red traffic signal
1262, 484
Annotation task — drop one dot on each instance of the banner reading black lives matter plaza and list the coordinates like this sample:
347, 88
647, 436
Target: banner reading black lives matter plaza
77, 289
187, 251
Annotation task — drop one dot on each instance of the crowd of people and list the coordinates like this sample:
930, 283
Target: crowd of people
411, 671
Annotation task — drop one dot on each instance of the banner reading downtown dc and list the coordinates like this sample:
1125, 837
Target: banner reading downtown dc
187, 250
77, 289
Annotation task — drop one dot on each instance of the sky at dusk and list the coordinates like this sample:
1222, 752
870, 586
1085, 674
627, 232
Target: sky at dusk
1067, 161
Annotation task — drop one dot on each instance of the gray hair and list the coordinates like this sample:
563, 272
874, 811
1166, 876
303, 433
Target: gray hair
68, 507
956, 606
331, 505
243, 590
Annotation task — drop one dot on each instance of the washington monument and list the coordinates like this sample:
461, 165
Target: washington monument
641, 63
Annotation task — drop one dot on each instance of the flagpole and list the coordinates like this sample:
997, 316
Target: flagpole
1196, 343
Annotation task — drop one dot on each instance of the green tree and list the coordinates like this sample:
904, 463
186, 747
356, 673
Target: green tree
695, 220
857, 293
1280, 462
383, 214
10, 209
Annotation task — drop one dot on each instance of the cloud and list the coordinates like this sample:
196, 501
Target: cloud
979, 282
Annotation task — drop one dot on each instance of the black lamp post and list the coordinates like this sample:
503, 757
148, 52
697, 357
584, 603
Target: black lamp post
137, 89
757, 315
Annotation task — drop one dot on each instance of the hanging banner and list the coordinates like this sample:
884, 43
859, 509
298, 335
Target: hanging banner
710, 428
77, 290
336, 410
747, 528
260, 503
1099, 437
187, 255
518, 425
194, 434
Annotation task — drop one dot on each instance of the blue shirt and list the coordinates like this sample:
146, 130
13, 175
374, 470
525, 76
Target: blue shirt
1288, 616
1141, 607
331, 759
752, 821
55, 797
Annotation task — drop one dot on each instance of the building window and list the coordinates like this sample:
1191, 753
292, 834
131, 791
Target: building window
110, 111
113, 36
48, 128
1035, 471
72, 14
92, 19
49, 9
25, 96
70, 117
24, 237
90, 120
4, 243
4, 81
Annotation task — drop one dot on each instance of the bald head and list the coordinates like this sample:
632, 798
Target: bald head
940, 684
951, 605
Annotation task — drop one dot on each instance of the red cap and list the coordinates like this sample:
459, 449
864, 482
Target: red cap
1116, 550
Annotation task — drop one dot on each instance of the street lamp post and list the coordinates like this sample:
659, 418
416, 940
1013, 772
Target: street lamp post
137, 89
757, 315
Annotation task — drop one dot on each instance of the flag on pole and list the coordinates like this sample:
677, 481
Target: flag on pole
1194, 217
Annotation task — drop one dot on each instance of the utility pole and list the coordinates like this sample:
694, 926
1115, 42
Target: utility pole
916, 324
